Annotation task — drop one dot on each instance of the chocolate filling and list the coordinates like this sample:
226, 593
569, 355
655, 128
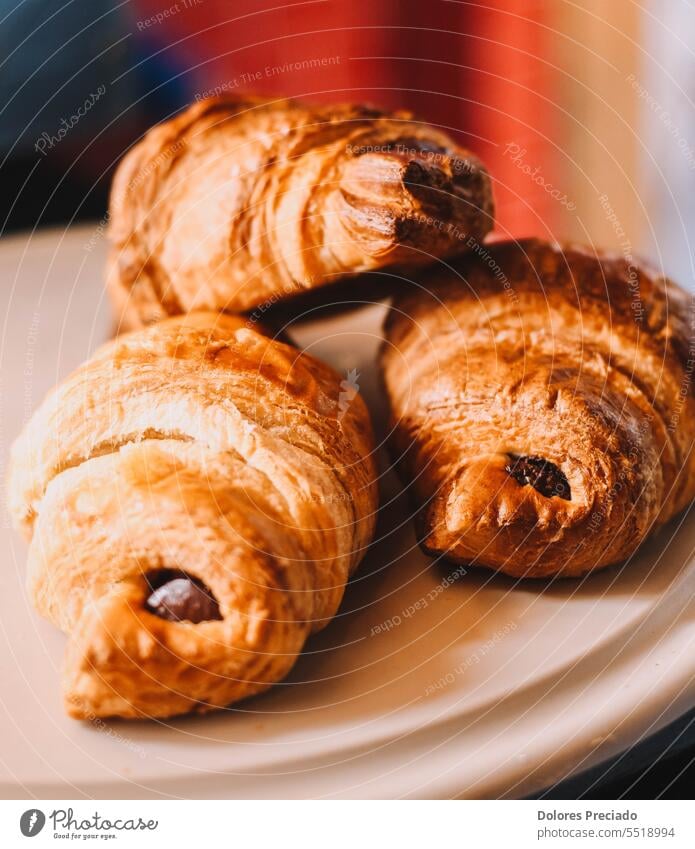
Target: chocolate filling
459, 166
429, 184
542, 475
179, 597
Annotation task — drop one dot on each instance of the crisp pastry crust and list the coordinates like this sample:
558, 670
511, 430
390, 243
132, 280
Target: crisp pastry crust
238, 202
197, 445
543, 407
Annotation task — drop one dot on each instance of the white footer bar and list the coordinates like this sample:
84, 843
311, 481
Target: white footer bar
347, 825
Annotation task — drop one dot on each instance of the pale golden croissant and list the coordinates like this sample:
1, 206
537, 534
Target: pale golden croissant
543, 406
236, 202
197, 496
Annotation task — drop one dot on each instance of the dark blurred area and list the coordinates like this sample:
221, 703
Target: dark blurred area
661, 766
76, 90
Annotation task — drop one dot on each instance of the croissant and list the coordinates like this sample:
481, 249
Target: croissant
542, 405
240, 202
196, 496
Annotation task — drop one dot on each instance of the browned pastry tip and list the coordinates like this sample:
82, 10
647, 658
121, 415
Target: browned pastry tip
236, 204
395, 194
542, 406
196, 496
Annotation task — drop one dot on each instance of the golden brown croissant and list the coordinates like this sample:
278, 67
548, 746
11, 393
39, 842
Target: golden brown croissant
543, 406
236, 202
197, 496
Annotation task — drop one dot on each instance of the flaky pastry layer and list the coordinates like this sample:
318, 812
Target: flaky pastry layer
543, 407
238, 202
197, 445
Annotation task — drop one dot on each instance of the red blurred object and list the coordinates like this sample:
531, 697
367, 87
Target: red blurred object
478, 71
510, 112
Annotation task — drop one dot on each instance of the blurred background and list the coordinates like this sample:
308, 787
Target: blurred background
583, 111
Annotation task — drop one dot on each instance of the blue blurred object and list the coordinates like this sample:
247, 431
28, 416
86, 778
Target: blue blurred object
668, 130
78, 85
57, 57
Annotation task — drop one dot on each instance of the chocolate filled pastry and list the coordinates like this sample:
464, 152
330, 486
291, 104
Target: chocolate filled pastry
237, 202
196, 496
542, 406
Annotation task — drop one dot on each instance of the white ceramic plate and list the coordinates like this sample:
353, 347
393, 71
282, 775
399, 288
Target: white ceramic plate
482, 687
